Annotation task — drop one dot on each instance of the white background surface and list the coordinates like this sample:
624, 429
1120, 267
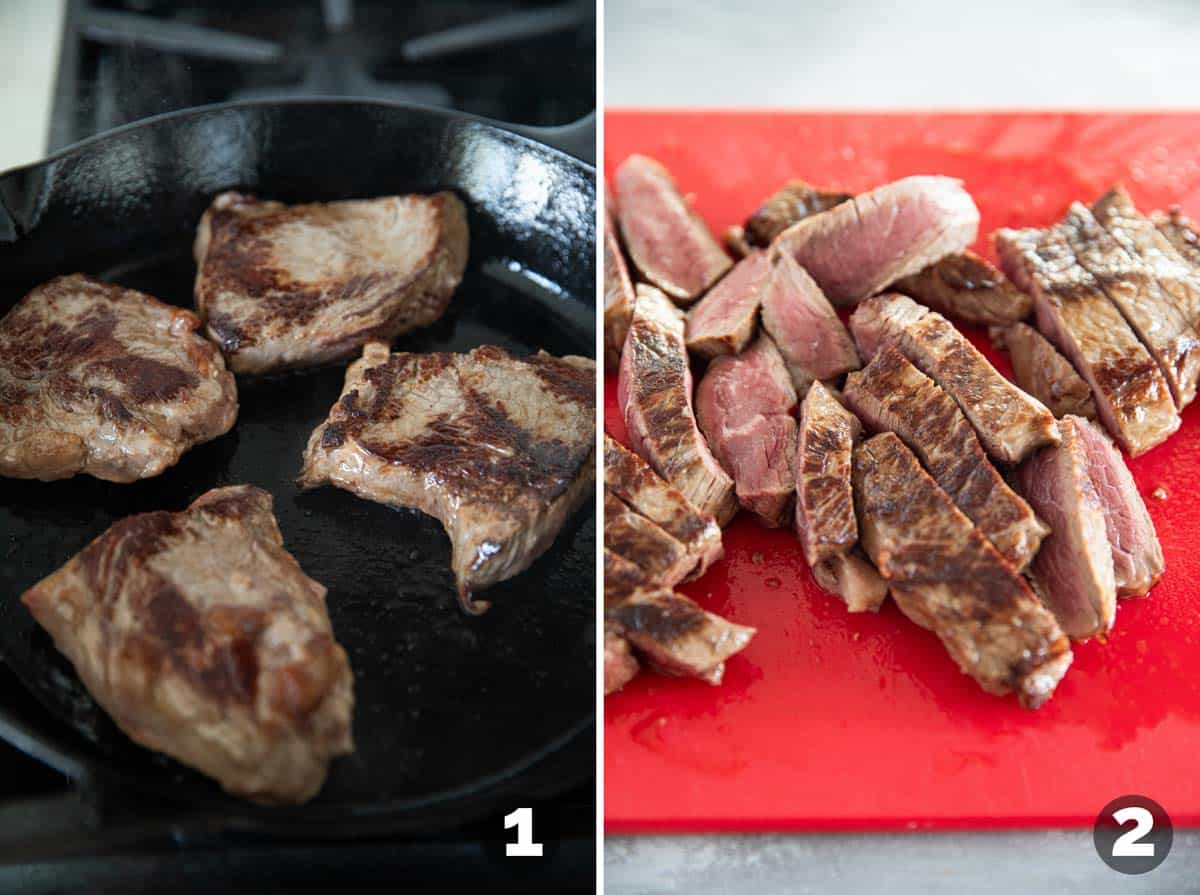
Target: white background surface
29, 36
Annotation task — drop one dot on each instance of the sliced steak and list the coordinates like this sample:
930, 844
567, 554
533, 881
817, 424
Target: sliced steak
1010, 423
106, 381
1073, 572
668, 243
968, 288
1182, 232
744, 406
724, 320
500, 449
794, 201
654, 390
736, 244
890, 394
202, 638
947, 577
1132, 398
1137, 555
630, 478
283, 286
620, 664
1043, 372
858, 247
618, 293
825, 518
661, 558
804, 325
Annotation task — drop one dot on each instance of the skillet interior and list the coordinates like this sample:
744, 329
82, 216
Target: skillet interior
443, 701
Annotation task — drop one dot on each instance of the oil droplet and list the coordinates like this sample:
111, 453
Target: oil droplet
1159, 493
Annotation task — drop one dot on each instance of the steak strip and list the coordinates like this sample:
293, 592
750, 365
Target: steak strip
967, 287
1043, 372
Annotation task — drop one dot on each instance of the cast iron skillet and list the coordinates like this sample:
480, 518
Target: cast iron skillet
455, 716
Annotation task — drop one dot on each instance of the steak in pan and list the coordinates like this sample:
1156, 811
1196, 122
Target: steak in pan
284, 286
107, 381
500, 449
203, 638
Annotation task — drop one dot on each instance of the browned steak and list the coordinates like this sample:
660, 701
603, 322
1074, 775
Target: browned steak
654, 390
1073, 572
620, 664
947, 577
1010, 423
282, 286
1132, 398
1182, 232
202, 638
724, 320
969, 288
1040, 370
618, 292
890, 394
859, 247
804, 325
794, 201
500, 449
666, 240
735, 242
107, 381
635, 538
825, 519
630, 478
744, 406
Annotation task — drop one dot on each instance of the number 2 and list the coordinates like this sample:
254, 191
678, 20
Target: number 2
1127, 844
524, 847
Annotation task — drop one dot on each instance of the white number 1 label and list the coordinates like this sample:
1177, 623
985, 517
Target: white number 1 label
524, 847
1128, 844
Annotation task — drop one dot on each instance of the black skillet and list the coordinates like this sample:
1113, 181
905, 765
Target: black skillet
455, 716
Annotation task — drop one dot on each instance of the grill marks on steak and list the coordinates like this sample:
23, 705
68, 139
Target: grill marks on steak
724, 320
202, 638
945, 576
969, 288
284, 286
638, 540
666, 240
892, 394
654, 390
107, 381
1040, 370
1010, 423
500, 449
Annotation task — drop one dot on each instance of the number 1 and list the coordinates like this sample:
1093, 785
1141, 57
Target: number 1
524, 847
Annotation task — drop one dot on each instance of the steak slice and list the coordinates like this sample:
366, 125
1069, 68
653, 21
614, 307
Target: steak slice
804, 325
1181, 232
636, 539
666, 240
946, 576
630, 478
744, 406
620, 664
202, 637
724, 320
500, 449
794, 201
1132, 398
618, 292
858, 247
284, 286
890, 394
825, 520
1073, 572
654, 390
1137, 555
107, 381
969, 288
1043, 372
1010, 423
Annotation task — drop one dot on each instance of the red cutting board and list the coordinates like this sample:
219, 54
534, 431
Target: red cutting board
837, 721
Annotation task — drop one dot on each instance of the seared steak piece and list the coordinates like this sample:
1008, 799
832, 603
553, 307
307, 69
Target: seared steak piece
736, 244
724, 320
825, 519
946, 576
1132, 397
805, 327
1137, 555
858, 247
794, 201
202, 638
744, 407
1010, 423
630, 478
890, 394
654, 390
500, 449
620, 664
618, 293
1043, 372
969, 288
108, 381
666, 240
284, 286
661, 558
1073, 572
1182, 232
